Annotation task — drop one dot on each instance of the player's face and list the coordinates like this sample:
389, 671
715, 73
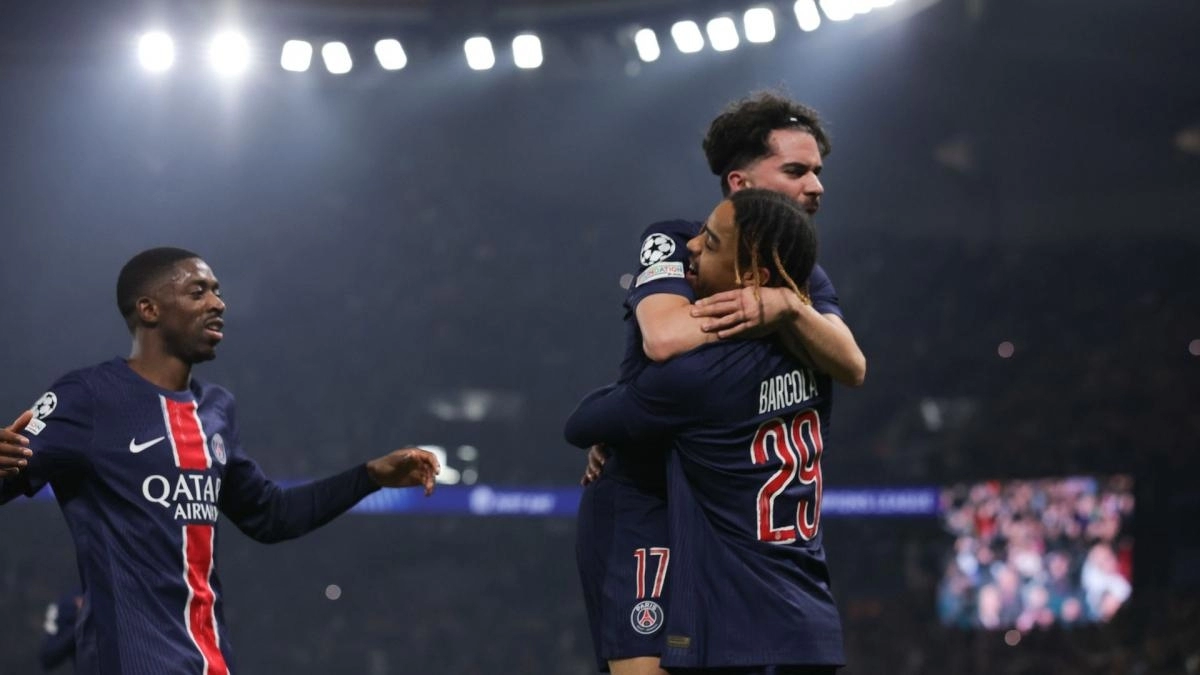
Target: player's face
190, 311
793, 168
711, 269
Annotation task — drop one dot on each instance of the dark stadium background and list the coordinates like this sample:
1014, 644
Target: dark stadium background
390, 243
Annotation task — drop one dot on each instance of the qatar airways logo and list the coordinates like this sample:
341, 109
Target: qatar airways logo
191, 496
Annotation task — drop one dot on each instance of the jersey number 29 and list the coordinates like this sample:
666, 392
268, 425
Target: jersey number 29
798, 446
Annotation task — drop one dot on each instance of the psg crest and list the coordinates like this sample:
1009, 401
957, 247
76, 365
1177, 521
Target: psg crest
217, 445
657, 248
647, 617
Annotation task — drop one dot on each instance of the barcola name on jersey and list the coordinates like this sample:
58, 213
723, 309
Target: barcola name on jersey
194, 497
784, 391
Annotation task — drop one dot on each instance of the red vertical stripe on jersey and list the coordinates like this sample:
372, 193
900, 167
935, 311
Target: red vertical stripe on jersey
184, 426
199, 614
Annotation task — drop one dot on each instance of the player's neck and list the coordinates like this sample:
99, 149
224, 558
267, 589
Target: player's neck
159, 368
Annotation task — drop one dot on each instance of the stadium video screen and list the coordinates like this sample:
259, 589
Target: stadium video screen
1030, 554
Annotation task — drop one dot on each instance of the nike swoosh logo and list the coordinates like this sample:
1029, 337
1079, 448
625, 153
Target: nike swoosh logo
136, 447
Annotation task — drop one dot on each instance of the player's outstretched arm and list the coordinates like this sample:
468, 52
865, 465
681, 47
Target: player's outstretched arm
407, 467
268, 513
825, 339
14, 448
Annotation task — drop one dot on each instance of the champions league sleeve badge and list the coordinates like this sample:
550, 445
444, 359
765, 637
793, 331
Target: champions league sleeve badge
647, 617
656, 248
41, 410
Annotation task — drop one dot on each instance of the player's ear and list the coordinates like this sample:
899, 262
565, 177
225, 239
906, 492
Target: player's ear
738, 180
147, 310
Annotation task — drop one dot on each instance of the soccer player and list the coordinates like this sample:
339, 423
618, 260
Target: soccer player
143, 457
770, 142
749, 590
767, 141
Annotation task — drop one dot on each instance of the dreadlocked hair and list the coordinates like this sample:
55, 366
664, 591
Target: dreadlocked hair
775, 233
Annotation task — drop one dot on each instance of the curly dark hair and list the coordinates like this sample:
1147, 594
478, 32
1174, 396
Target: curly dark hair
773, 231
738, 136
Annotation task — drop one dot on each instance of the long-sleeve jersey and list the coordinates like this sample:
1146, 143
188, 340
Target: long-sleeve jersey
749, 583
141, 474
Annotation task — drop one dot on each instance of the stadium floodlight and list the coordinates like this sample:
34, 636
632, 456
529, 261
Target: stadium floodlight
296, 56
807, 15
527, 51
390, 54
337, 58
229, 53
687, 37
722, 33
884, 3
759, 24
156, 51
863, 6
479, 53
647, 45
838, 10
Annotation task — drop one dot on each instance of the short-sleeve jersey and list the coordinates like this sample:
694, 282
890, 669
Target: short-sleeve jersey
621, 528
141, 474
662, 259
750, 585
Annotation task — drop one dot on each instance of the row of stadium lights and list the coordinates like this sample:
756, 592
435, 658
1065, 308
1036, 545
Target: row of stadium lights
229, 52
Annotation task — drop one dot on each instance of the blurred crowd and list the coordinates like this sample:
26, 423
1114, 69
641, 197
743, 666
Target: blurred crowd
1037, 553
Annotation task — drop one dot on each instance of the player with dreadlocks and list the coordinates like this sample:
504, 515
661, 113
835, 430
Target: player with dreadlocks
747, 421
763, 233
763, 141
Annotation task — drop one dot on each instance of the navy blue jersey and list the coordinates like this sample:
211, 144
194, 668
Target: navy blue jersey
621, 537
656, 250
141, 474
750, 585
661, 263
